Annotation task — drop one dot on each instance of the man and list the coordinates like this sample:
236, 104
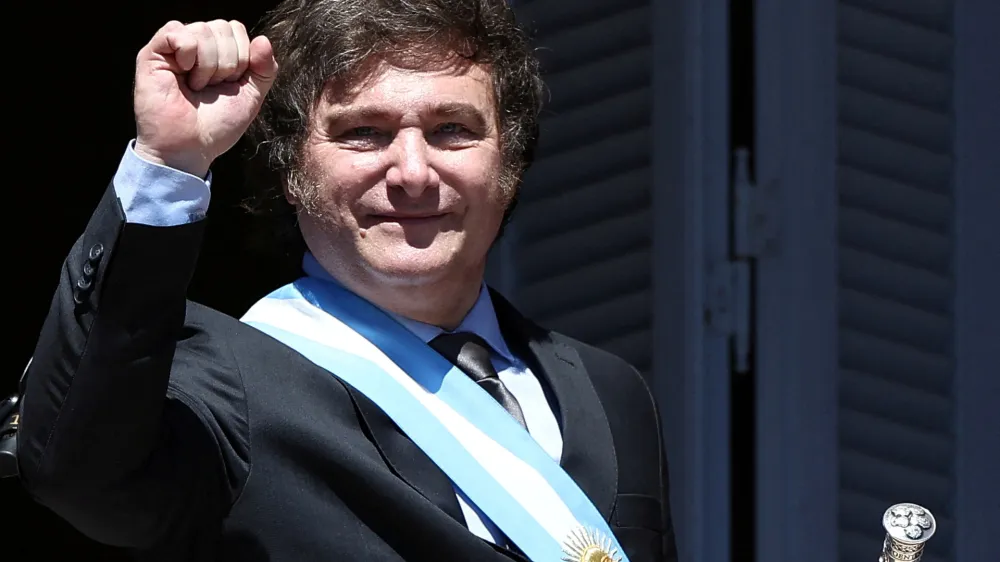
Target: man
387, 406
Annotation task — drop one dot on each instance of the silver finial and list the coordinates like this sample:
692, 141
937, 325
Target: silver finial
907, 527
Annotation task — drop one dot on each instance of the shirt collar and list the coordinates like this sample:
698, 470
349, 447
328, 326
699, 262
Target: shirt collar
481, 319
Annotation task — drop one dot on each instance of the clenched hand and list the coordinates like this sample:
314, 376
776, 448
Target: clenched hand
197, 89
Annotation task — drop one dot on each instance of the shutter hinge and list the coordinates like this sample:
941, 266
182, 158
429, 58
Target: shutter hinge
727, 308
755, 235
755, 212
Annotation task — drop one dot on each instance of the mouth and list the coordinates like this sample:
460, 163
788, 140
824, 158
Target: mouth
407, 220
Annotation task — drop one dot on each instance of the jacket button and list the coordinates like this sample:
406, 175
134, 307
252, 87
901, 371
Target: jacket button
88, 270
84, 284
96, 251
77, 296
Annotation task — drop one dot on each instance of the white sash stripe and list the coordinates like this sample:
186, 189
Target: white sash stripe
519, 479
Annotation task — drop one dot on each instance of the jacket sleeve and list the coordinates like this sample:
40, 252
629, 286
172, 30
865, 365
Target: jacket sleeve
106, 440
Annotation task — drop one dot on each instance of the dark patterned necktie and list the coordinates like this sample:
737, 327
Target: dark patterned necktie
471, 354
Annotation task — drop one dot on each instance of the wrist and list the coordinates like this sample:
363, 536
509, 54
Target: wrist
193, 163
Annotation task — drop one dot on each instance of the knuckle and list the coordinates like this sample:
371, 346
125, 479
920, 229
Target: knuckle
199, 28
220, 27
171, 25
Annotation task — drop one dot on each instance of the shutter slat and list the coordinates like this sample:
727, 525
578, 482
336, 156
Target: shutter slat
884, 480
622, 31
923, 410
580, 125
893, 78
932, 14
894, 240
603, 320
895, 281
576, 248
893, 37
589, 202
895, 159
889, 118
899, 201
878, 435
605, 157
598, 79
892, 361
560, 293
896, 322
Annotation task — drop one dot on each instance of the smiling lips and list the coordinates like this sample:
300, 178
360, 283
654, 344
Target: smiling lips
408, 220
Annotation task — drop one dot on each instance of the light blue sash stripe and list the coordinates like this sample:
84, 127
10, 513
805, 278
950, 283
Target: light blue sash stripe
439, 376
434, 439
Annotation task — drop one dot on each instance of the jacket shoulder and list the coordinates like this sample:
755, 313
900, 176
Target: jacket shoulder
618, 382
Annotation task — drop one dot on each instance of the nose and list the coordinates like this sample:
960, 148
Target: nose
410, 169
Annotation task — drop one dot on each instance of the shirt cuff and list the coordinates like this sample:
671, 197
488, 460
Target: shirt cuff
156, 195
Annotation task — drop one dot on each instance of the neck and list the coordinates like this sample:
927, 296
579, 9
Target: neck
442, 302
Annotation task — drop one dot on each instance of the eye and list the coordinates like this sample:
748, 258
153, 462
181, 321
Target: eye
451, 129
364, 137
453, 135
361, 132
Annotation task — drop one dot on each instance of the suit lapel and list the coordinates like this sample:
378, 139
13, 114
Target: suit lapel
412, 465
405, 459
588, 454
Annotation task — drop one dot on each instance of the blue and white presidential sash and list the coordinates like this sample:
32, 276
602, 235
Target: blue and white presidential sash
467, 434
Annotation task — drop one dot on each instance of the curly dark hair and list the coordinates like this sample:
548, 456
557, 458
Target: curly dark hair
322, 42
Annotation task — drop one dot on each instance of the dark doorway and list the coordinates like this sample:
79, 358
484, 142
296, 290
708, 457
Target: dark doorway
743, 398
69, 118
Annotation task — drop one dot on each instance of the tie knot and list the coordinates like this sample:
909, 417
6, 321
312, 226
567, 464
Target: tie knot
468, 351
471, 354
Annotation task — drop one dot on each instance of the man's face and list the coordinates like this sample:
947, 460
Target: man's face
404, 176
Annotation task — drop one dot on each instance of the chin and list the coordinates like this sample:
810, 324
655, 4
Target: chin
412, 267
408, 276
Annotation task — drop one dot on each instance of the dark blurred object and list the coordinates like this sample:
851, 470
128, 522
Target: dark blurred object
8, 436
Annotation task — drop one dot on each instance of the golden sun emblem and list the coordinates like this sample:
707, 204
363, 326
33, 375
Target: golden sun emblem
587, 545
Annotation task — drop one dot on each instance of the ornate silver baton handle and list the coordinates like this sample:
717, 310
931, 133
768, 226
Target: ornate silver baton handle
907, 528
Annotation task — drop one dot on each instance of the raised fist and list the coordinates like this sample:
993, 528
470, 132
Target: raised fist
197, 89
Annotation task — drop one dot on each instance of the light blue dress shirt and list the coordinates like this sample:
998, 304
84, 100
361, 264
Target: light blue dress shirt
156, 195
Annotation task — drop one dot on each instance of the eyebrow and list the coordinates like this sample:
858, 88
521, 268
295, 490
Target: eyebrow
462, 112
453, 110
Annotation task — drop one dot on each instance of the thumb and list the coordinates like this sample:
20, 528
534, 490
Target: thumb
263, 69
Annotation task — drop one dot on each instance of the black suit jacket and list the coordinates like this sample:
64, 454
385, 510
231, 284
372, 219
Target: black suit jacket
160, 425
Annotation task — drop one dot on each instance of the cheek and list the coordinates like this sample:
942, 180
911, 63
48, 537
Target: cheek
475, 176
342, 178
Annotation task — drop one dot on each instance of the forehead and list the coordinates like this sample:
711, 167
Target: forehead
406, 89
